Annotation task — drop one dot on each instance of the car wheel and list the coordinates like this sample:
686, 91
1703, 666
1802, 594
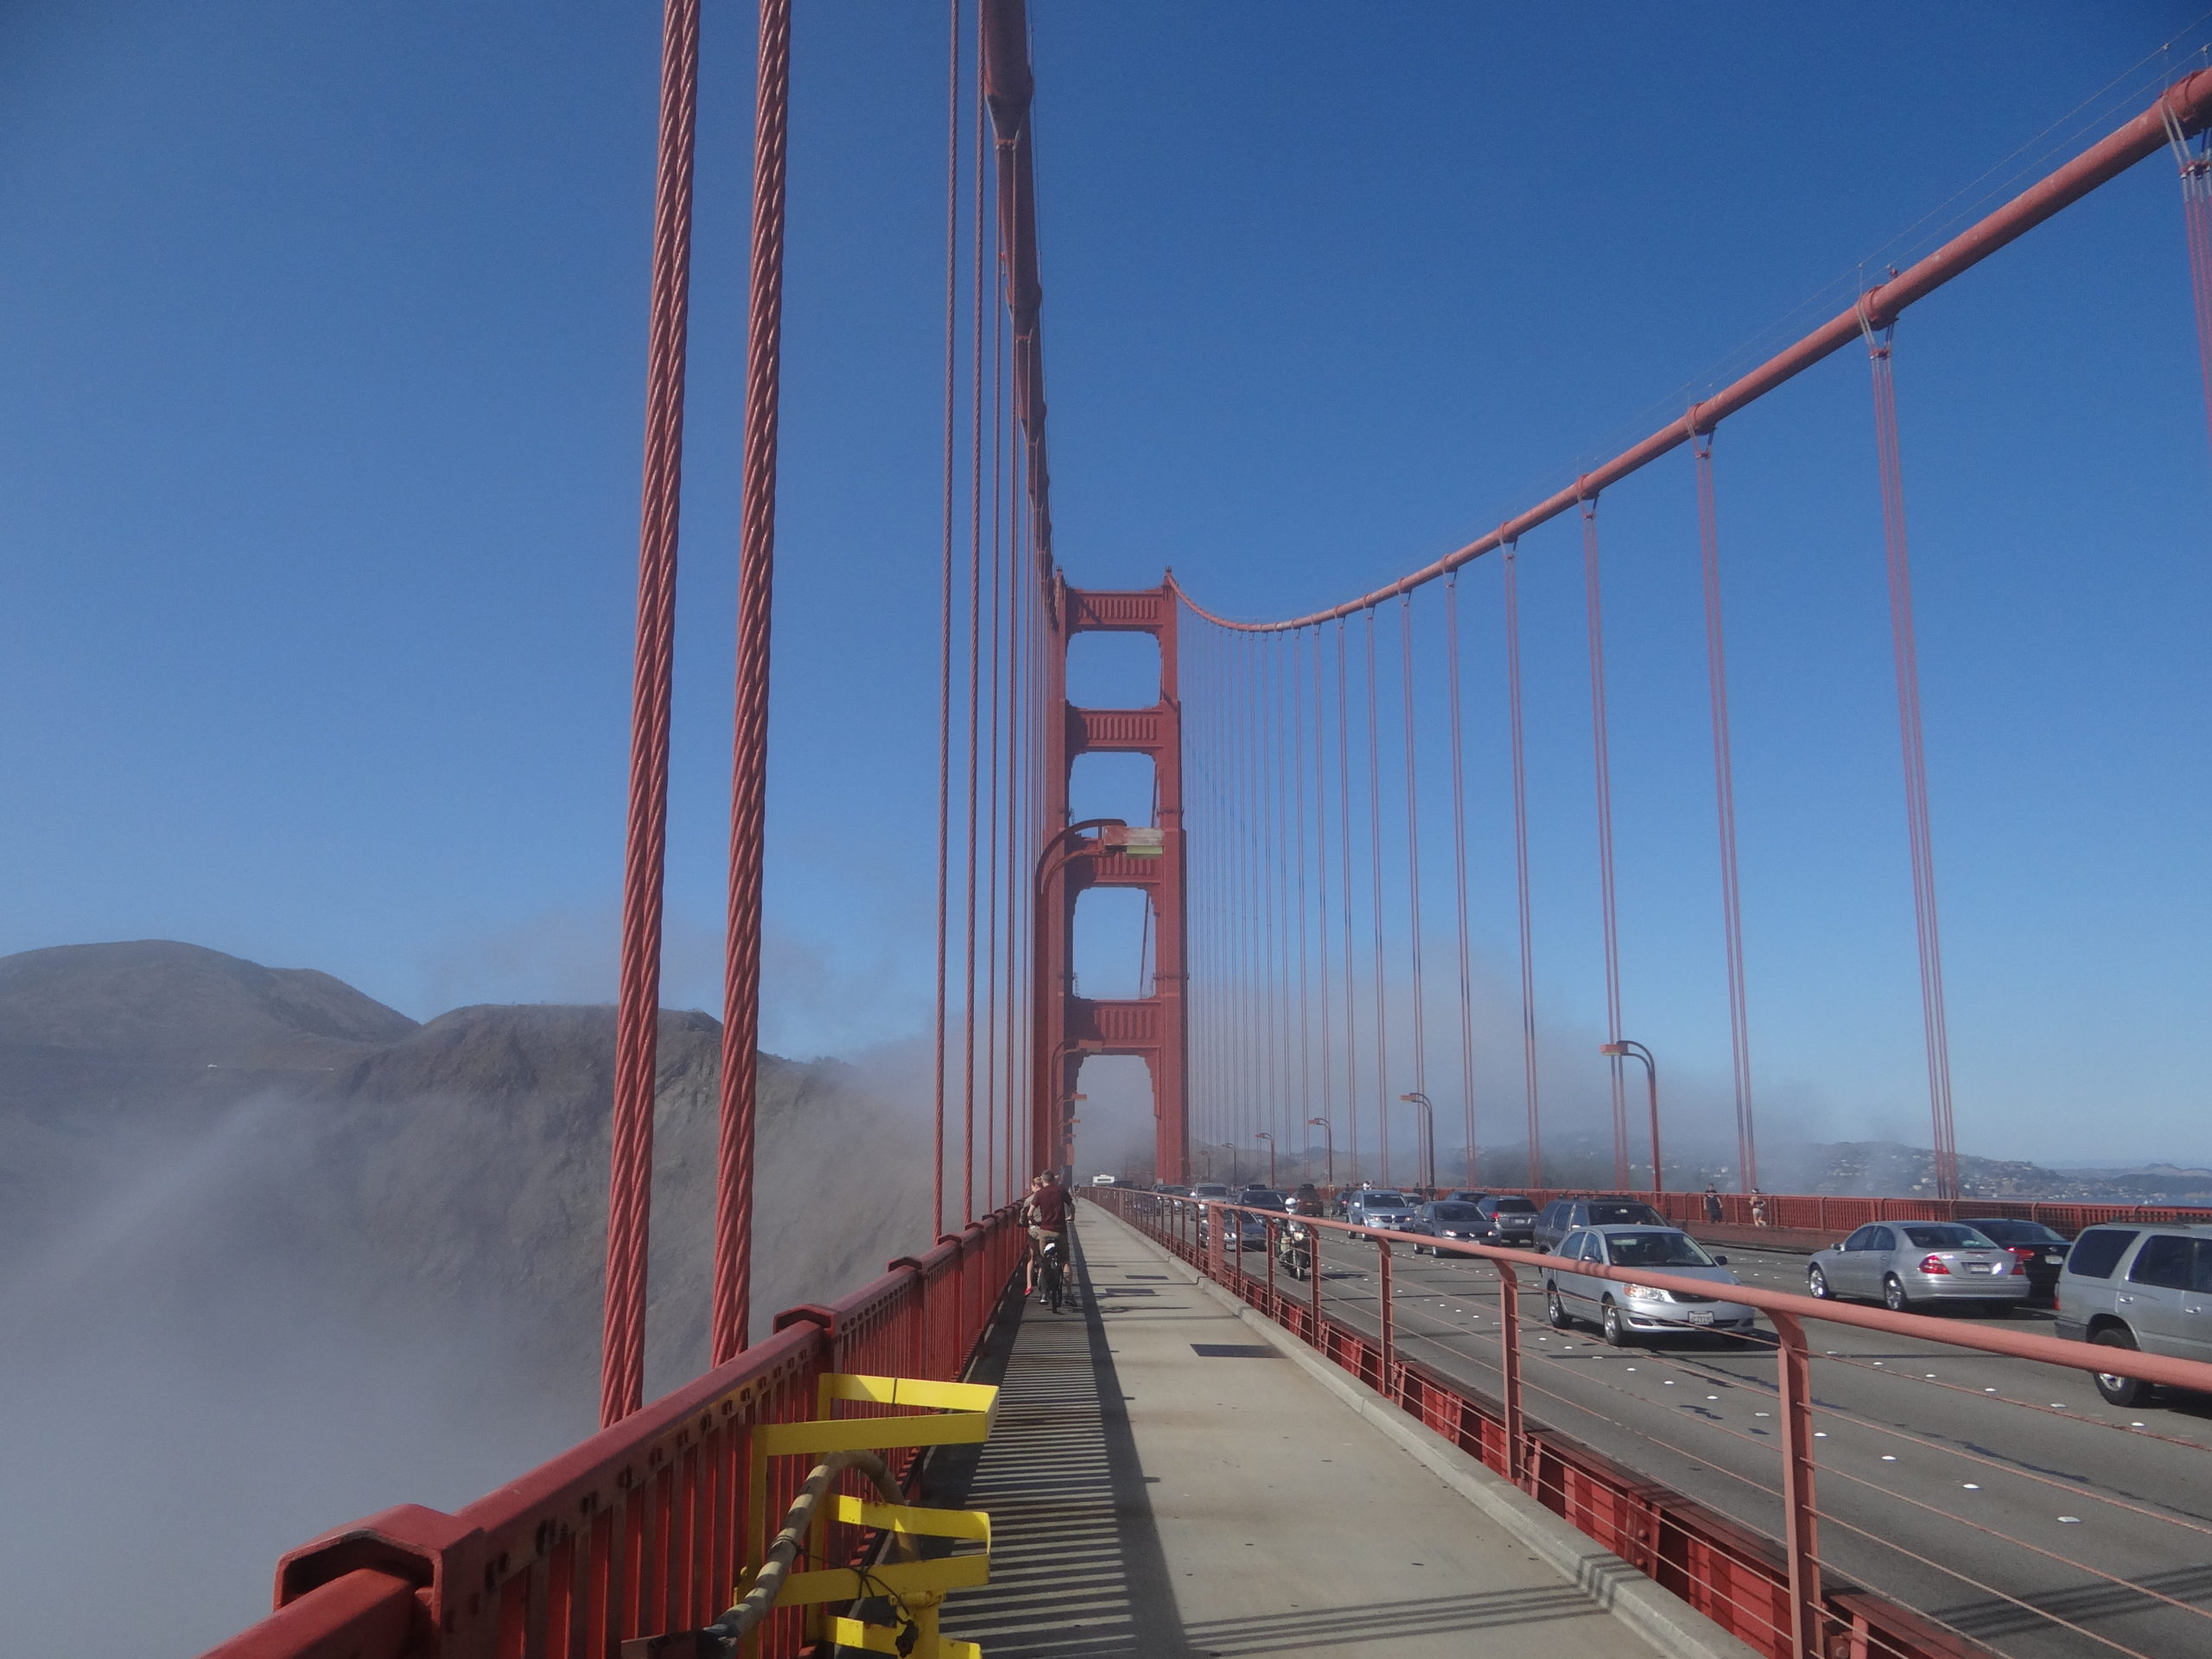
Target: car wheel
1817, 1285
1893, 1296
1615, 1328
1554, 1309
2118, 1390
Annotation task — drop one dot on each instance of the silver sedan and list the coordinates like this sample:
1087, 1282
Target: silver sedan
1906, 1264
1625, 1311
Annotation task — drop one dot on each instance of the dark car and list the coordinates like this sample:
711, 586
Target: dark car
1512, 1219
1564, 1216
1445, 1220
2040, 1251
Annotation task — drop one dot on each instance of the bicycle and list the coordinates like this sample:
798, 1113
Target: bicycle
1051, 1275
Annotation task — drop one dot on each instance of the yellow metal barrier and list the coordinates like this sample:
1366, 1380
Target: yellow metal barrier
943, 1414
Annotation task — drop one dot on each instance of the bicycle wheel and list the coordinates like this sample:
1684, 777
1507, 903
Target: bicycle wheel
1055, 1285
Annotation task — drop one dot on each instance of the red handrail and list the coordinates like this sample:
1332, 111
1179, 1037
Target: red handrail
641, 1528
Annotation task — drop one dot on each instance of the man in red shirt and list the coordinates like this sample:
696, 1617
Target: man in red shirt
1046, 1210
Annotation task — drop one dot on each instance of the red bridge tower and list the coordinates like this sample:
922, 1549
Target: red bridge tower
1071, 1028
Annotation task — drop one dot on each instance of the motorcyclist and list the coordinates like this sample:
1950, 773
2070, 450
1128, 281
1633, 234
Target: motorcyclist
1294, 1248
1044, 1212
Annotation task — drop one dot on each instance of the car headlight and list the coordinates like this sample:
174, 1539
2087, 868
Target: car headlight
1646, 1293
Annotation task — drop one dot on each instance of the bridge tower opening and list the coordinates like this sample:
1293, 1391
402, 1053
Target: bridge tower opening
1071, 860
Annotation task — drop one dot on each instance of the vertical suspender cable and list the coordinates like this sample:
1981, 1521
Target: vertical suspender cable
1375, 868
1602, 755
1724, 781
2195, 161
733, 1287
1017, 840
1294, 652
944, 645
1904, 638
1459, 869
1344, 808
1413, 875
1263, 827
992, 814
975, 647
1321, 895
622, 1355
1512, 566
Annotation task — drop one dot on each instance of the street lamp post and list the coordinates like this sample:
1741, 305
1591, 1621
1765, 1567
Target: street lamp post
1428, 1136
1638, 1052
1262, 1134
1329, 1142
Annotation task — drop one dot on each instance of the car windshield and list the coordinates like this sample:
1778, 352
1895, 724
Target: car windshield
1600, 1213
1263, 1200
1511, 1207
1656, 1250
1387, 1201
1209, 1190
1944, 1236
1463, 1212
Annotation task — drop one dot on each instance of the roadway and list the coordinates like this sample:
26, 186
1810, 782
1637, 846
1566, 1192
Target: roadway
1966, 1485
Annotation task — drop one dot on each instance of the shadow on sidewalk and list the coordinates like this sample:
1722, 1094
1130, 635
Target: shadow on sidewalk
1077, 1567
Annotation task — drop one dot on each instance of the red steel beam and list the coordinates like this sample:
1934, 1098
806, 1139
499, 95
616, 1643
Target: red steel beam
2188, 103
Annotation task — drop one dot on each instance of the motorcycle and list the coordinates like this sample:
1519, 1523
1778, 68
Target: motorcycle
1294, 1249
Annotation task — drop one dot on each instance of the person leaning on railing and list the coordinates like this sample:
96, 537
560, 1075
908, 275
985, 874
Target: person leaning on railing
1044, 1212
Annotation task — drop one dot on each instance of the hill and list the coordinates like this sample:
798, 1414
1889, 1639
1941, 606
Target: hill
186, 1123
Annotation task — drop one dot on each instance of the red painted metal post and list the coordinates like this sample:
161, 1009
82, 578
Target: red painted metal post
1269, 1222
1216, 1269
1383, 1273
1508, 1367
1793, 1365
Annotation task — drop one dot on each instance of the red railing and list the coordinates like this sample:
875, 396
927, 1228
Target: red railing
640, 1530
1772, 1592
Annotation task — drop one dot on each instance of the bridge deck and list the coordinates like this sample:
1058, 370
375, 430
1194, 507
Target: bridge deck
1161, 1484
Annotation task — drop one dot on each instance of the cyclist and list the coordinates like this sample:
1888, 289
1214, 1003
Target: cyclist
1045, 1212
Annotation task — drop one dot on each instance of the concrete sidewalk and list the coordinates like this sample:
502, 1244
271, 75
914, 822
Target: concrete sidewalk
1161, 1484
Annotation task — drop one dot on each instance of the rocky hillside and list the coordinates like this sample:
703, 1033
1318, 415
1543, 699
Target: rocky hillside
189, 1122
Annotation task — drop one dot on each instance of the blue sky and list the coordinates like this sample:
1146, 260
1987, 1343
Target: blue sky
321, 332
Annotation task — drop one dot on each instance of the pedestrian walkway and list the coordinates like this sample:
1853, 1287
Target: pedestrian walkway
1161, 1483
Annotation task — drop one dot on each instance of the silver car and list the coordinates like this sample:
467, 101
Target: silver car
1386, 1209
2147, 1286
1908, 1264
1624, 1312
